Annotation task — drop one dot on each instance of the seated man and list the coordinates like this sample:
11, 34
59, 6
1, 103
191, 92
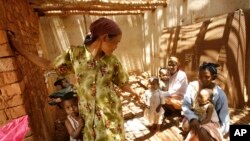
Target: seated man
177, 86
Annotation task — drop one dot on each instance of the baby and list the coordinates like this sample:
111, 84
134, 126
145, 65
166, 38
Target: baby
164, 76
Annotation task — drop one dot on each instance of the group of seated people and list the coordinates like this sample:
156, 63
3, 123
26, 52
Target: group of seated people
203, 103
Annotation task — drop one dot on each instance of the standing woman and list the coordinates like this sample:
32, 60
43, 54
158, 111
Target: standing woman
97, 71
207, 73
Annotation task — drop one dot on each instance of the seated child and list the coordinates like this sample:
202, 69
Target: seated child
208, 117
153, 100
74, 123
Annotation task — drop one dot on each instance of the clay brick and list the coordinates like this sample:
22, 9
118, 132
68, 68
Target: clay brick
2, 106
2, 16
9, 77
13, 89
7, 64
5, 50
13, 101
16, 112
3, 37
3, 118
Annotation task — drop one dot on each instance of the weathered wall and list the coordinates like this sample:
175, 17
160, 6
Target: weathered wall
22, 87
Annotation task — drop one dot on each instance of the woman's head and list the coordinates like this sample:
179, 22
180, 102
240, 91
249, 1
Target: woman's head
106, 31
173, 64
207, 73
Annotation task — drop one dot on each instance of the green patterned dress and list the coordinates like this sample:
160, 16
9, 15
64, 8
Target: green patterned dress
99, 104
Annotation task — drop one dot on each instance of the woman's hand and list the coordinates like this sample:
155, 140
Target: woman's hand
195, 125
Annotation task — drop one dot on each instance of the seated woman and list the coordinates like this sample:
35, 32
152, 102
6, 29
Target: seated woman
207, 73
208, 117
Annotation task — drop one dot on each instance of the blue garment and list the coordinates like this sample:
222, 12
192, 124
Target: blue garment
219, 100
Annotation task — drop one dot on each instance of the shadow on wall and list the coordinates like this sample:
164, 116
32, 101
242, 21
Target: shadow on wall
221, 40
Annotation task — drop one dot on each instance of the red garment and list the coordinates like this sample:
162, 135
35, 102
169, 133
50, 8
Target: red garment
14, 130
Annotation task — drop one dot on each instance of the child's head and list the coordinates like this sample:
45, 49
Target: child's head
205, 96
153, 83
70, 104
164, 74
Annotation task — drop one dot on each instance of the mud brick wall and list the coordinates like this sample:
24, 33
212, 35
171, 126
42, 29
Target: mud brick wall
22, 86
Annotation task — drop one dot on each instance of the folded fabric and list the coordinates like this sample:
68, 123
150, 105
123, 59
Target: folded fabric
15, 130
63, 93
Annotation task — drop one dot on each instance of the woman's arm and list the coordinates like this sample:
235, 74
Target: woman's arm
34, 58
221, 106
39, 61
127, 88
187, 101
209, 112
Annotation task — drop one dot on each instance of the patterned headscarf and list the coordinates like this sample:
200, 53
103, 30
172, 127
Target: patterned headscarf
100, 27
104, 26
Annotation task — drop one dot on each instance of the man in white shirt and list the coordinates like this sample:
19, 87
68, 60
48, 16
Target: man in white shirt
177, 86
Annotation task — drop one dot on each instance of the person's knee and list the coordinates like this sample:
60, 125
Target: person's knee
204, 135
185, 125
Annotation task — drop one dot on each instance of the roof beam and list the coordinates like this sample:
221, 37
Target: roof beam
96, 7
103, 13
47, 7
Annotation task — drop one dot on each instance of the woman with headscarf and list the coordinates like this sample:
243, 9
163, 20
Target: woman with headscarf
207, 75
97, 71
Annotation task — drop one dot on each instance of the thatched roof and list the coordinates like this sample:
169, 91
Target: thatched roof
94, 7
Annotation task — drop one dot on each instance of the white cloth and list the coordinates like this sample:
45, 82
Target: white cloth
153, 99
74, 124
178, 83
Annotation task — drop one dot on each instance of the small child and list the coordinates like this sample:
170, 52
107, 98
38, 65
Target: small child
207, 116
74, 123
164, 76
153, 100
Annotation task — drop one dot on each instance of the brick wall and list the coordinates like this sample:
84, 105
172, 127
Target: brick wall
22, 86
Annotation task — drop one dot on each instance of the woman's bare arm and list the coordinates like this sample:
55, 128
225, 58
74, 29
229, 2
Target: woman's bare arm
127, 88
34, 58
